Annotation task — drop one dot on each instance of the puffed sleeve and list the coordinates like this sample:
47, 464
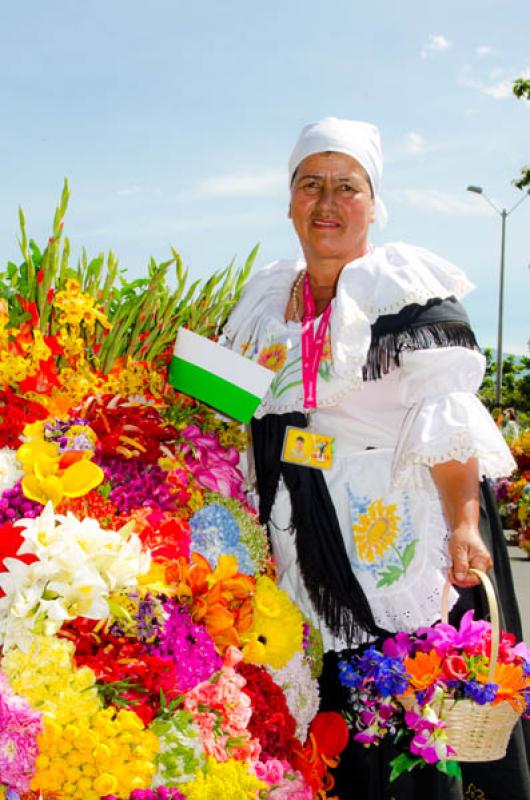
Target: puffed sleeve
445, 421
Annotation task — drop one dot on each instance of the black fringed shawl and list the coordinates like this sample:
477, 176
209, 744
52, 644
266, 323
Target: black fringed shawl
333, 588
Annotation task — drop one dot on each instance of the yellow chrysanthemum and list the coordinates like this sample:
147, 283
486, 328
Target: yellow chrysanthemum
47, 677
230, 780
277, 626
109, 752
376, 530
273, 357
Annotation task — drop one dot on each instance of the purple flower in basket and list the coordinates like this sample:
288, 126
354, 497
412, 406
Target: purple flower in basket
481, 693
444, 637
375, 722
387, 674
430, 739
399, 646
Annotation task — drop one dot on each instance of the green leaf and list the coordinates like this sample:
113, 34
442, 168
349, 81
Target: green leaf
451, 768
408, 553
105, 489
389, 577
35, 253
403, 763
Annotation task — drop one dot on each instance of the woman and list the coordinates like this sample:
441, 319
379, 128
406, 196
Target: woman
370, 346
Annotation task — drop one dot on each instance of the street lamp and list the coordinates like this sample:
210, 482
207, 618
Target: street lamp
504, 214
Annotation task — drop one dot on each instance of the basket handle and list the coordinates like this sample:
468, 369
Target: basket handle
494, 616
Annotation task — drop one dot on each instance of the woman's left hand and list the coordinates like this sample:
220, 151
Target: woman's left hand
457, 483
466, 549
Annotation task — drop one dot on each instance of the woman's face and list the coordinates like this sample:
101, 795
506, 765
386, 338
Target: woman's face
331, 207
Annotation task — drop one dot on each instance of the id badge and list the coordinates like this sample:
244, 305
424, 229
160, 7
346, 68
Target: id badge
307, 448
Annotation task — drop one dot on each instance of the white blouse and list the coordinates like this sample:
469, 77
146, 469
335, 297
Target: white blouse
388, 432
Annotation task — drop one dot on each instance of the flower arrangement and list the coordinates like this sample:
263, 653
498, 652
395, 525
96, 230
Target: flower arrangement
513, 494
407, 688
146, 651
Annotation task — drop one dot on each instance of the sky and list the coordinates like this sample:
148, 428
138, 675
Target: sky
174, 121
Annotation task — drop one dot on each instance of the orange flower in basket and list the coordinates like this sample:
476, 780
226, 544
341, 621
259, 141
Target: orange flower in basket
511, 681
424, 669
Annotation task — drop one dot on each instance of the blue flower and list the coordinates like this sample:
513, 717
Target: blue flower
481, 693
215, 532
387, 675
348, 676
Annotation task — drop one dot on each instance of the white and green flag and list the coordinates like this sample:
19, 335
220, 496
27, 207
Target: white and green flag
217, 376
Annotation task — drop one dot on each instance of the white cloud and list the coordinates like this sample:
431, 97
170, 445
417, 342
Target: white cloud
484, 50
435, 42
128, 191
446, 203
498, 90
415, 143
249, 183
497, 87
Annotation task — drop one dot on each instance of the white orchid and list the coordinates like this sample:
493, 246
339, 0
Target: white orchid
79, 566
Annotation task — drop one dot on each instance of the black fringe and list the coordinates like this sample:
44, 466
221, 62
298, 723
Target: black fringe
386, 348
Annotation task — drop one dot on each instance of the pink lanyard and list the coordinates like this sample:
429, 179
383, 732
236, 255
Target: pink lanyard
312, 345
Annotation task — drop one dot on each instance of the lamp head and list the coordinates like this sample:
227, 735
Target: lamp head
476, 189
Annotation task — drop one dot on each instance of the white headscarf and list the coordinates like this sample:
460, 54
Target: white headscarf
360, 140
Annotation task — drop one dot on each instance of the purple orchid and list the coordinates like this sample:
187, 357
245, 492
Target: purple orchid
399, 646
430, 739
444, 637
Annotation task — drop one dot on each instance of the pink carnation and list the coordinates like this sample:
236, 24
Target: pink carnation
19, 728
285, 783
222, 713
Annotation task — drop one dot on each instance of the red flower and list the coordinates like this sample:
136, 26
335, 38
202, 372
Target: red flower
10, 540
271, 721
169, 539
455, 668
15, 413
328, 736
330, 732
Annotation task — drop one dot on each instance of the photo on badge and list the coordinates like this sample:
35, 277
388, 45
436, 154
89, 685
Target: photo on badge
307, 448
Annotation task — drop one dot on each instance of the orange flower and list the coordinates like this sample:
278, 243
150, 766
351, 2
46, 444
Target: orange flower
273, 357
511, 681
219, 599
423, 669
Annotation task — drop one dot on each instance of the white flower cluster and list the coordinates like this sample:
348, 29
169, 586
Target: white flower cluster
79, 565
301, 692
10, 471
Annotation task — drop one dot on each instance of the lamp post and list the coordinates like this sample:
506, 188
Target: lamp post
503, 214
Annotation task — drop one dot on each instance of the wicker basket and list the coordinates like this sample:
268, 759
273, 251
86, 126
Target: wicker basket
475, 732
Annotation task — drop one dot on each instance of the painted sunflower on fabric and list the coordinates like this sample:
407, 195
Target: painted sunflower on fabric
376, 530
276, 633
273, 357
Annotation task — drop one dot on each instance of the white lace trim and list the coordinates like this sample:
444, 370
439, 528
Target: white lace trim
271, 406
411, 470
